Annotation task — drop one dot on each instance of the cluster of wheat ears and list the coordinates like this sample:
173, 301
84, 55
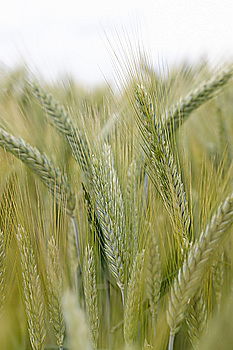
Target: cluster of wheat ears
120, 245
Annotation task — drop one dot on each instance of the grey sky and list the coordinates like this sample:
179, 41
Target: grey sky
54, 37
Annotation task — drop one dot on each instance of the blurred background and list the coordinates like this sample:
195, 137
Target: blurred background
83, 38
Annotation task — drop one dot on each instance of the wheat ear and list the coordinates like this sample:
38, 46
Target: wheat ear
161, 166
153, 275
110, 211
206, 91
42, 166
90, 292
32, 290
60, 118
218, 279
197, 319
77, 329
132, 305
54, 290
191, 273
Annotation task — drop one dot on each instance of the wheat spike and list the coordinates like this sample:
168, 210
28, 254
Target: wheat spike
218, 279
42, 166
90, 292
60, 118
162, 167
153, 275
55, 291
197, 319
32, 291
132, 305
206, 91
191, 273
110, 212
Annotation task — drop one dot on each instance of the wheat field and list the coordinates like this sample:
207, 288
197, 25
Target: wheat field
116, 211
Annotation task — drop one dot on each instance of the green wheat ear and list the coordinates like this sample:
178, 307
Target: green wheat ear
41, 165
55, 285
32, 291
191, 273
90, 292
177, 114
61, 120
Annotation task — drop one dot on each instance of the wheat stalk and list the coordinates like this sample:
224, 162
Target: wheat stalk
2, 270
191, 273
73, 259
77, 329
32, 290
177, 114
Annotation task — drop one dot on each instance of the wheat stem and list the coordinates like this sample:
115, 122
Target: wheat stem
171, 341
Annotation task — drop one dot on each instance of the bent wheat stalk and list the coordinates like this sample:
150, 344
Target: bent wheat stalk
193, 269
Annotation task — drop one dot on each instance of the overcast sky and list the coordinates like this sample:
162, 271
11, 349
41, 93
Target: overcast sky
79, 36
